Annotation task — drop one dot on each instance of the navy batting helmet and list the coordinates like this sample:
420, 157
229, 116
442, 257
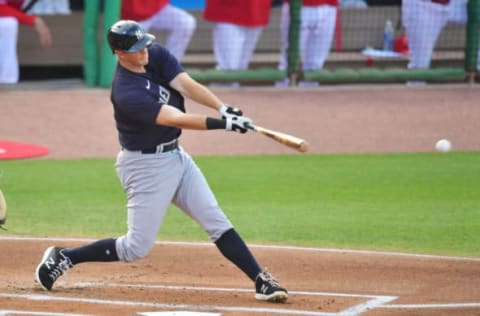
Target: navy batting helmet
128, 36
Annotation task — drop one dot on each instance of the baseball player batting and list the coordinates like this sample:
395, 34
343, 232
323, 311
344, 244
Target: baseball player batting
147, 94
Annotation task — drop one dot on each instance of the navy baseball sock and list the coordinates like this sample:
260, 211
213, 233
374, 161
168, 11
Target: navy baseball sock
101, 250
234, 249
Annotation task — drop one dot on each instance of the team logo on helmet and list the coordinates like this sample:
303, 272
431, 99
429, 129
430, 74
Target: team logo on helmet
139, 34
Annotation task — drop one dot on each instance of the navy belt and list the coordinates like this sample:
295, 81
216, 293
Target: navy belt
162, 148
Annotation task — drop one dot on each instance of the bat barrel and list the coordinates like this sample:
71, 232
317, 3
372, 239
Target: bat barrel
286, 139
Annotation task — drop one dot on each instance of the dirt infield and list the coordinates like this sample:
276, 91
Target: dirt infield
76, 122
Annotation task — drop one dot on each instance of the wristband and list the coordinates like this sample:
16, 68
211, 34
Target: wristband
213, 123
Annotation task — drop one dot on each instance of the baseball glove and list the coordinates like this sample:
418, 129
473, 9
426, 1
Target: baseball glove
3, 209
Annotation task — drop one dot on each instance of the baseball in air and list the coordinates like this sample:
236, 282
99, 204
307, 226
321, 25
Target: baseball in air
443, 146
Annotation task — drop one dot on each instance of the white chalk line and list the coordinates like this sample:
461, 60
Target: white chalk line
11, 312
422, 306
242, 309
368, 305
213, 289
373, 302
275, 247
376, 302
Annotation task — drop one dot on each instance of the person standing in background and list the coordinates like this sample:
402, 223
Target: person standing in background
11, 15
159, 15
458, 15
317, 27
49, 7
238, 25
423, 21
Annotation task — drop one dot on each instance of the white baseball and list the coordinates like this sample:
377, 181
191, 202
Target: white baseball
443, 145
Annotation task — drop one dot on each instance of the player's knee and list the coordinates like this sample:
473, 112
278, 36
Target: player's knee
135, 252
216, 233
131, 249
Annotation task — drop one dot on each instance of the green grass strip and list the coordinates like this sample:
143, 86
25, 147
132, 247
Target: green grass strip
423, 203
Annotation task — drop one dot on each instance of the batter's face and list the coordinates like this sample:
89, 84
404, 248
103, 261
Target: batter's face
135, 62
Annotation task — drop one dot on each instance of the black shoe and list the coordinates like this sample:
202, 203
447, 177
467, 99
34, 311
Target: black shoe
268, 289
53, 265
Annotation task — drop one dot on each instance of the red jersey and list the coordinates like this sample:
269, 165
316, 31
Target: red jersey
250, 13
14, 9
139, 10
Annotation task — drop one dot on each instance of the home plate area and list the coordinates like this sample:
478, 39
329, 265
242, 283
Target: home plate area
181, 278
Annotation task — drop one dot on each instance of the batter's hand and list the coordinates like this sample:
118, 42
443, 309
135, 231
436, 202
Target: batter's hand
226, 111
238, 123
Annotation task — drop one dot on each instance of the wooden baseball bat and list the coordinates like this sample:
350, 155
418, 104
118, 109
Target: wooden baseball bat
286, 139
